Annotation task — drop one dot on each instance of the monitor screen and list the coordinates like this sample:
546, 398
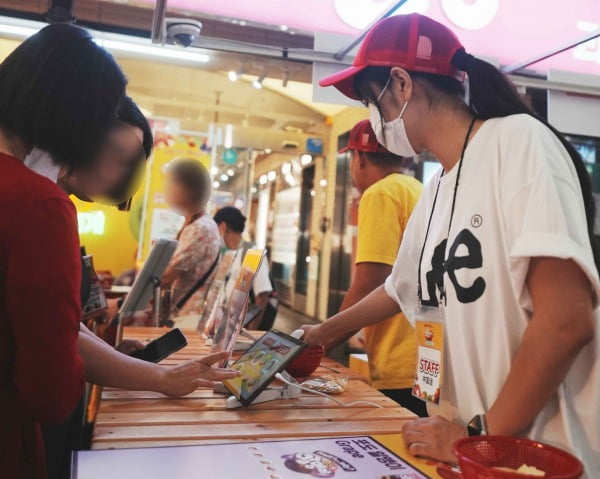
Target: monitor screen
257, 366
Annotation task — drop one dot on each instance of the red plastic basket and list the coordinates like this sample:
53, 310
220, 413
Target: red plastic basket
478, 456
306, 362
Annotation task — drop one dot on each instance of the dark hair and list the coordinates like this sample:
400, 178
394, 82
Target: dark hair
130, 113
194, 177
60, 92
232, 217
491, 95
383, 159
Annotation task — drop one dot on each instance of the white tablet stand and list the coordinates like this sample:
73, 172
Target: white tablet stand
271, 393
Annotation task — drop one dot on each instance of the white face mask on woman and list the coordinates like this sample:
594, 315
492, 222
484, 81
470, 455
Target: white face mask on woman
391, 134
41, 162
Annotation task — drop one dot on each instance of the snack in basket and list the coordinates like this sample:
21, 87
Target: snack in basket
326, 384
524, 469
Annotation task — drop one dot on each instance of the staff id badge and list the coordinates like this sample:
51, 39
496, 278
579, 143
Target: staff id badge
429, 328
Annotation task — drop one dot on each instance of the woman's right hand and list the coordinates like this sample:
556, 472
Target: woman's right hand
191, 375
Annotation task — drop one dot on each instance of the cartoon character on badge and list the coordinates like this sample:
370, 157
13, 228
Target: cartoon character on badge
309, 463
428, 335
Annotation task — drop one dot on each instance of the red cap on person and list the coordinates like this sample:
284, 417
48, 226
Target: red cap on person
414, 42
362, 138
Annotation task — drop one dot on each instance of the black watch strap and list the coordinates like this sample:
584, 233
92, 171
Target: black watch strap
478, 426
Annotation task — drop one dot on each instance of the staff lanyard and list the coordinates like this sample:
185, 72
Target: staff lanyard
462, 155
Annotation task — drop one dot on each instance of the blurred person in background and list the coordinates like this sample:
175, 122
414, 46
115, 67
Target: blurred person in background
187, 192
231, 223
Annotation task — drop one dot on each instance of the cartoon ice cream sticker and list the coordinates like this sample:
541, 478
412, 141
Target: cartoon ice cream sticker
309, 463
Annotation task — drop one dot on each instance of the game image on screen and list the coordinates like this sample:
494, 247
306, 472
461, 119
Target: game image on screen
257, 366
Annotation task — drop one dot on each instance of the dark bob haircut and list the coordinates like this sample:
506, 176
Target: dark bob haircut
60, 92
130, 113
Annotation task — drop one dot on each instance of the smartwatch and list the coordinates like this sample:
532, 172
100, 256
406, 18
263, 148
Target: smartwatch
478, 426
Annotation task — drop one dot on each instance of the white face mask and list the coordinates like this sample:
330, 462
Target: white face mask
41, 162
391, 134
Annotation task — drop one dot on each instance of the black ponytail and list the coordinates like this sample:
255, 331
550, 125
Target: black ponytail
492, 95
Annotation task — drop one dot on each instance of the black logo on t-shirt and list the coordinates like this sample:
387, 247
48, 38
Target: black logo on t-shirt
472, 260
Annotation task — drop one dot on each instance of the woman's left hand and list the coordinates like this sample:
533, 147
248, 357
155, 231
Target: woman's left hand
432, 437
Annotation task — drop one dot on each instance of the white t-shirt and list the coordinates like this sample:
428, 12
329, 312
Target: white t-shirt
518, 198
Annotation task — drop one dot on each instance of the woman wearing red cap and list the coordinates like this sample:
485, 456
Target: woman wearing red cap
498, 270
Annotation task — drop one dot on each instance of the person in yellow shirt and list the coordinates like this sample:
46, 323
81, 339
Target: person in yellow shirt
388, 198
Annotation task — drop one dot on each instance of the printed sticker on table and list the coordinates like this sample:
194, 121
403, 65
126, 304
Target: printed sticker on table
430, 348
359, 457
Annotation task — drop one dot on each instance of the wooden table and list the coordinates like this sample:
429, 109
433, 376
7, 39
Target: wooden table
131, 419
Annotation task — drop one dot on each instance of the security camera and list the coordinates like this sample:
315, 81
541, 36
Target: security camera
183, 32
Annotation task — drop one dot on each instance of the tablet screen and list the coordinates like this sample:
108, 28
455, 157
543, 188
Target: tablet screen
258, 365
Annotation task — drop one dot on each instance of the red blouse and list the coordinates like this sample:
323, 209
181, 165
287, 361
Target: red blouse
41, 373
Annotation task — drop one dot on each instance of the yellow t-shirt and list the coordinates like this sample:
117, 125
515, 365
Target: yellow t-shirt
383, 212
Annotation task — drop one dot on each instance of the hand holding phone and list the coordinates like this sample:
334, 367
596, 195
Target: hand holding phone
157, 350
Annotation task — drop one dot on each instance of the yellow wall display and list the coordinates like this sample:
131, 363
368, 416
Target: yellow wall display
106, 234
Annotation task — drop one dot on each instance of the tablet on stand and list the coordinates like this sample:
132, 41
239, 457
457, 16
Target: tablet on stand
147, 283
235, 311
269, 355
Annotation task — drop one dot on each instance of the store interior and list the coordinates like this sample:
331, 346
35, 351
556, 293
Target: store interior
234, 85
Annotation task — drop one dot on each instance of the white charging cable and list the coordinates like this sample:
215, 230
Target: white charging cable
354, 403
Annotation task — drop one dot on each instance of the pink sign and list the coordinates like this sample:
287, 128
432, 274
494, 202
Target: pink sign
509, 30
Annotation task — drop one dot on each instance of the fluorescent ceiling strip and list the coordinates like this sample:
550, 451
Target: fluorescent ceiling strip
21, 29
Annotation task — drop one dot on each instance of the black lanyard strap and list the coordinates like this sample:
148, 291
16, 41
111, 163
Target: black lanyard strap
460, 162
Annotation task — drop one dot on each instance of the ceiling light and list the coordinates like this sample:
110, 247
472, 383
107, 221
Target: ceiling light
150, 51
284, 28
230, 172
242, 23
224, 177
263, 179
216, 184
235, 75
271, 175
18, 31
116, 43
259, 81
214, 170
286, 168
268, 151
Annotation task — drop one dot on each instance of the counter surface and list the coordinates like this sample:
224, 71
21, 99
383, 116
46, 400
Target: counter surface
134, 419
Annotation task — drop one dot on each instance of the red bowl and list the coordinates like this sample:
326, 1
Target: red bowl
306, 362
478, 457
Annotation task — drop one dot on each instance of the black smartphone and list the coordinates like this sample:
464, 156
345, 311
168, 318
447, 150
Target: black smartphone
157, 350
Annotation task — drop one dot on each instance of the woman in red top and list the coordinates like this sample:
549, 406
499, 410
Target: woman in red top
59, 92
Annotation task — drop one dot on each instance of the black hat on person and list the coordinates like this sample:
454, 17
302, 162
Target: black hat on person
232, 217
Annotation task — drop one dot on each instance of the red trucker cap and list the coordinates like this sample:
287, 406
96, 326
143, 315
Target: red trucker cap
414, 42
362, 138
